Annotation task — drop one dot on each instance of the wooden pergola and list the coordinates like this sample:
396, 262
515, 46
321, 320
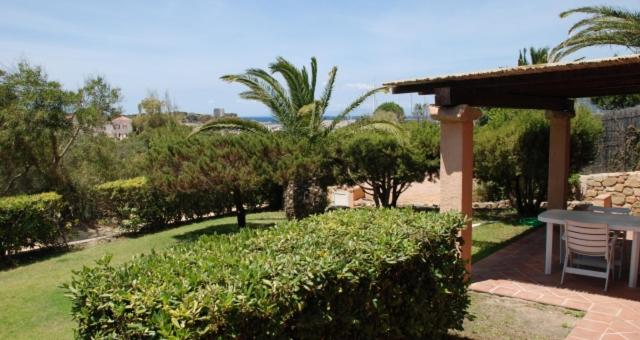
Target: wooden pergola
550, 87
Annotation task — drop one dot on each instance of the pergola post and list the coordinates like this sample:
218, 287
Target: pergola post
456, 164
559, 155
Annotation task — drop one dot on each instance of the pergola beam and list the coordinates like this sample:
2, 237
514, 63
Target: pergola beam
448, 96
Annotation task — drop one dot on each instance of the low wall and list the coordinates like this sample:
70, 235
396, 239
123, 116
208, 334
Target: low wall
624, 188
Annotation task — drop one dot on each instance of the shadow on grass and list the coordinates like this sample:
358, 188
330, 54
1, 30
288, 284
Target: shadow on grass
34, 256
38, 255
506, 216
221, 229
489, 247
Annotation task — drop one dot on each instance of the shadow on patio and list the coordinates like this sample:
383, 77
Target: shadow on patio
518, 271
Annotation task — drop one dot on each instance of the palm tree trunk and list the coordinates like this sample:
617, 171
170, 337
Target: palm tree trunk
303, 198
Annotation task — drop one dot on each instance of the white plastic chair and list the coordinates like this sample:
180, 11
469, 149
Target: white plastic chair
620, 234
592, 241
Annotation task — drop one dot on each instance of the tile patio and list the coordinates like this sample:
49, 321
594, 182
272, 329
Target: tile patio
518, 271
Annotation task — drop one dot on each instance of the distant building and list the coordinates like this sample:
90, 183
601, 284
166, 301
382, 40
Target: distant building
118, 128
218, 112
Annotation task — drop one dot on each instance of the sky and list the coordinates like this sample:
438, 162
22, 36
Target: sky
184, 47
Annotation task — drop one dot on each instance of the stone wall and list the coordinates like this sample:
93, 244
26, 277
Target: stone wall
624, 188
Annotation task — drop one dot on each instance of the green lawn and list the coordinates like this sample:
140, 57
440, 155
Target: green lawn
499, 229
34, 306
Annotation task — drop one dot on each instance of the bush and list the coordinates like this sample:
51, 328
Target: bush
134, 203
239, 167
511, 151
386, 165
27, 220
366, 273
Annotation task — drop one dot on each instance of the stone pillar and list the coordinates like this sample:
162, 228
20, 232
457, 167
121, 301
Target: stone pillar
559, 153
456, 164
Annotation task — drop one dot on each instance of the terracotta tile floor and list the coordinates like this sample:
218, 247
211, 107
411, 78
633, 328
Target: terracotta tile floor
518, 271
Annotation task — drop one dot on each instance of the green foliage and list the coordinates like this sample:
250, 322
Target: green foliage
363, 273
136, 204
152, 104
511, 152
294, 105
605, 25
389, 111
40, 122
536, 56
616, 102
27, 220
586, 130
386, 163
419, 111
240, 167
151, 121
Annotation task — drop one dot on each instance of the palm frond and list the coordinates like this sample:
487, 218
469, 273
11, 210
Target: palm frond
260, 89
604, 25
377, 125
231, 124
314, 75
299, 90
353, 106
328, 90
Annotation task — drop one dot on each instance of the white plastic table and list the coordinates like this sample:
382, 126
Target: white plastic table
615, 222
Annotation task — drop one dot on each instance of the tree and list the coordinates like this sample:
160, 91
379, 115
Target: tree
604, 25
419, 111
238, 166
385, 164
40, 124
295, 107
536, 56
616, 102
389, 111
511, 152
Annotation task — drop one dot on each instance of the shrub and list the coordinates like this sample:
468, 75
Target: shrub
366, 273
27, 220
386, 164
511, 151
240, 167
134, 203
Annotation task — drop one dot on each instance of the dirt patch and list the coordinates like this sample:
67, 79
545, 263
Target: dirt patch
497, 317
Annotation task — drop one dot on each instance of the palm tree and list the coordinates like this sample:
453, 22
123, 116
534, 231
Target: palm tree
536, 56
295, 107
604, 25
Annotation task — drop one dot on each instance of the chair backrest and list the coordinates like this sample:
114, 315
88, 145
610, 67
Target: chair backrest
587, 238
615, 211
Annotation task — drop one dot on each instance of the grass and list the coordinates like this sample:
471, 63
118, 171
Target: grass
498, 229
34, 305
496, 317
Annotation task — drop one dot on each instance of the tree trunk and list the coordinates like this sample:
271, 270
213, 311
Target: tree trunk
240, 212
303, 198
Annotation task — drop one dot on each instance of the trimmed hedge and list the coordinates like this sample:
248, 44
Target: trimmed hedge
346, 274
134, 203
27, 220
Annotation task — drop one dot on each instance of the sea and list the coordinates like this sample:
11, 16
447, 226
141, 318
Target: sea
271, 120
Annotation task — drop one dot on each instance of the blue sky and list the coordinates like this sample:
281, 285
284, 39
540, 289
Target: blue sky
184, 47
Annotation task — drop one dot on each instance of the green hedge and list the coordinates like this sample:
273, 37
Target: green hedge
134, 203
27, 220
346, 274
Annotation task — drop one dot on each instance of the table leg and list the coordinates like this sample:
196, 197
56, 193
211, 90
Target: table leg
548, 249
635, 254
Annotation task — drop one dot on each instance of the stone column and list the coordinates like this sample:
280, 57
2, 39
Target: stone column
456, 164
559, 153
